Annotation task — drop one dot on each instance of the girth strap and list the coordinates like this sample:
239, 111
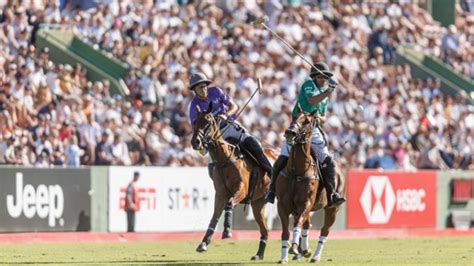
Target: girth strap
298, 178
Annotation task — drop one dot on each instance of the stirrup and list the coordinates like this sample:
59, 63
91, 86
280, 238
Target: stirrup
335, 200
247, 200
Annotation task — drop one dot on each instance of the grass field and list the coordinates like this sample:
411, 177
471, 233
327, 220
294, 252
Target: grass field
445, 250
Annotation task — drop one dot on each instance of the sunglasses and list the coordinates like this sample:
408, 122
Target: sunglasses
322, 77
199, 86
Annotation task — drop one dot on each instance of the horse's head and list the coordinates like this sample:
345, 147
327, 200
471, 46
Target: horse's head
204, 128
301, 127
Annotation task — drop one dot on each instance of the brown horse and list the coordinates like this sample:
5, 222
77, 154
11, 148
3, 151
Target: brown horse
298, 183
299, 193
231, 176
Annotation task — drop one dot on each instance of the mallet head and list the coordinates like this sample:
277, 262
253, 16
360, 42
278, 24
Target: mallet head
260, 21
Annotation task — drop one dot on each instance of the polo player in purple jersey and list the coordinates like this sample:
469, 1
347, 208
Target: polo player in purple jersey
224, 109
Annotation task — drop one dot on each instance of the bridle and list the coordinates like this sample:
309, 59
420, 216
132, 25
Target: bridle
302, 135
203, 134
209, 138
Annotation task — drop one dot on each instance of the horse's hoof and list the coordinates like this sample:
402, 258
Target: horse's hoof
293, 250
202, 247
256, 257
306, 253
283, 261
297, 257
226, 234
315, 259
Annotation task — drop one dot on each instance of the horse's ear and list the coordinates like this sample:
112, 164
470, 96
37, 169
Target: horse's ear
300, 110
209, 108
198, 109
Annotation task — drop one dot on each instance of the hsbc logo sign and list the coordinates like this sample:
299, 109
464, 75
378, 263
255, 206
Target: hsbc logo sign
379, 200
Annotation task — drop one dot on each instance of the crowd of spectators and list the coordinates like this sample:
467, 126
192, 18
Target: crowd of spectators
50, 114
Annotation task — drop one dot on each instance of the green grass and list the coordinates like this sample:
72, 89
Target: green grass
455, 251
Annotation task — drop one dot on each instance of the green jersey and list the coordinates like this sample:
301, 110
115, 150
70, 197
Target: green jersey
309, 89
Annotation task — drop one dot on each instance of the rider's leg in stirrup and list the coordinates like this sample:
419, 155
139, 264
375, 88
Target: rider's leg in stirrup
253, 146
328, 170
327, 165
279, 165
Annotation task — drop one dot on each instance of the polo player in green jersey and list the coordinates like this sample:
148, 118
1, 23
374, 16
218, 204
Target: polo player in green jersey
313, 96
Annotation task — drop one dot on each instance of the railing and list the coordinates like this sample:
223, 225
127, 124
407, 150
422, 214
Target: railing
65, 47
424, 66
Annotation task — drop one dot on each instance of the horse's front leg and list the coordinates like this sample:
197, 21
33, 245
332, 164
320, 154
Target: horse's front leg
219, 204
303, 210
329, 219
299, 222
227, 232
285, 233
258, 208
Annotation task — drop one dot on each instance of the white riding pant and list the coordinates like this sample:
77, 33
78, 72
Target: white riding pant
235, 133
317, 144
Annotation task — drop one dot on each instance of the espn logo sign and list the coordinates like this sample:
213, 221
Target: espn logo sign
146, 198
391, 200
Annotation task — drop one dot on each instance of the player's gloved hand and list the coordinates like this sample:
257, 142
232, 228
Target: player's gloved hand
332, 84
221, 117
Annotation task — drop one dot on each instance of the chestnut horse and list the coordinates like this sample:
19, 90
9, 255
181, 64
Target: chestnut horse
298, 183
231, 175
299, 192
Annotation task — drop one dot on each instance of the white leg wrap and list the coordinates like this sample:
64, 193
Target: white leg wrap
296, 235
304, 239
284, 250
319, 249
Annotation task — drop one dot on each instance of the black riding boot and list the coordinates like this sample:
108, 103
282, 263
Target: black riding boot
252, 184
252, 146
279, 164
328, 170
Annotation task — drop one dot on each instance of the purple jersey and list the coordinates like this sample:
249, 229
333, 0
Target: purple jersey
219, 104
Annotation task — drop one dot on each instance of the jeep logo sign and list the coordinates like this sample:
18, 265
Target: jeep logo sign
46, 201
391, 199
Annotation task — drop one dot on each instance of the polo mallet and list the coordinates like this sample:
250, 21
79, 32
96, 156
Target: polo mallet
263, 20
259, 89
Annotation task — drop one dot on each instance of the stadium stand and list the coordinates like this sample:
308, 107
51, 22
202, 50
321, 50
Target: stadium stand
50, 114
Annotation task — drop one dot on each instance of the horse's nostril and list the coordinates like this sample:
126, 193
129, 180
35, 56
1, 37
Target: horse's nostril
195, 143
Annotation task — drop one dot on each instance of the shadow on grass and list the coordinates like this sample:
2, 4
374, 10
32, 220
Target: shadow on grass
167, 262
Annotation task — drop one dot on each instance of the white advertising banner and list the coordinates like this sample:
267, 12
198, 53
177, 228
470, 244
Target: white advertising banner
171, 199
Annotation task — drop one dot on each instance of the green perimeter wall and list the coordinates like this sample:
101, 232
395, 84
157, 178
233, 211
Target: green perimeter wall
99, 198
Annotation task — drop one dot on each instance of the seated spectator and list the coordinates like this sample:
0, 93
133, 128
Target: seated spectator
119, 151
103, 152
